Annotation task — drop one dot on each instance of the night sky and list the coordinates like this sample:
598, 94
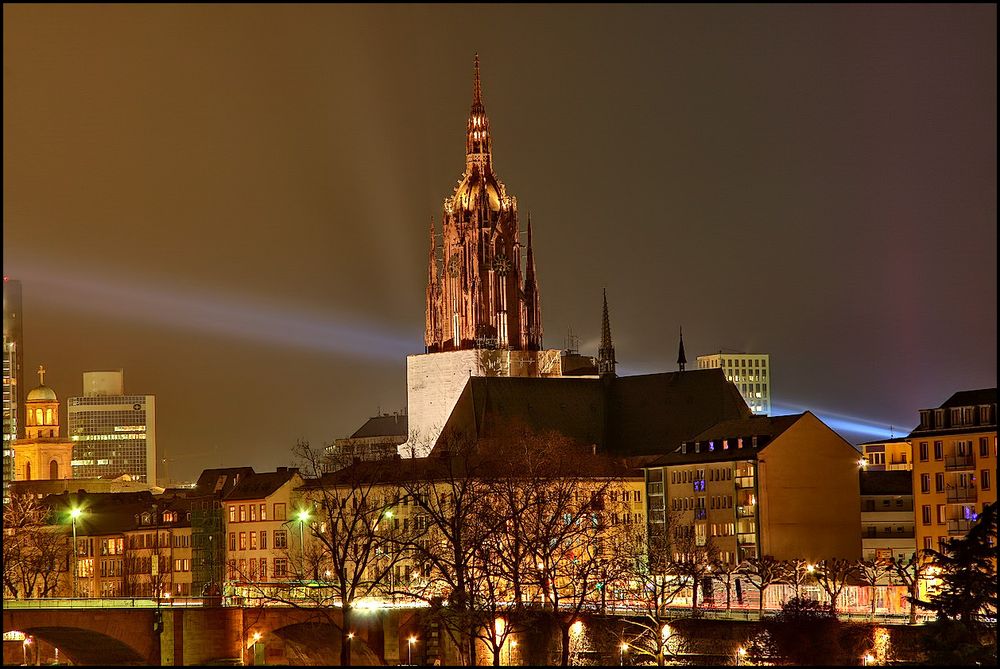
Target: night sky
231, 202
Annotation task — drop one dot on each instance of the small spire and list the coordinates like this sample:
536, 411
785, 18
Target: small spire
477, 92
606, 354
41, 375
681, 358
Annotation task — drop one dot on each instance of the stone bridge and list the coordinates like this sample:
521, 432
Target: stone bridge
194, 635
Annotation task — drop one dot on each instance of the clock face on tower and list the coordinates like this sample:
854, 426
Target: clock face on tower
454, 265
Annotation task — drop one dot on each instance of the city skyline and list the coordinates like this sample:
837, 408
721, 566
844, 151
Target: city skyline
836, 212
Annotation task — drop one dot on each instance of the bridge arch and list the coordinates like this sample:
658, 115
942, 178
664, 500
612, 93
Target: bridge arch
91, 637
85, 647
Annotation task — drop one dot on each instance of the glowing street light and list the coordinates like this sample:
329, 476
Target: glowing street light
624, 649
350, 637
24, 648
577, 628
409, 649
74, 513
510, 649
868, 659
741, 652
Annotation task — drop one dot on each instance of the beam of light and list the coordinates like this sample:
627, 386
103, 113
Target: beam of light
129, 301
867, 428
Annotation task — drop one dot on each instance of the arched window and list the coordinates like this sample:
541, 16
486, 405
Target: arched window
38, 417
48, 416
27, 471
53, 470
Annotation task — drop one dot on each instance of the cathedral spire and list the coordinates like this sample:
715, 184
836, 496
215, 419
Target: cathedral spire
532, 307
681, 358
606, 354
478, 142
477, 91
431, 334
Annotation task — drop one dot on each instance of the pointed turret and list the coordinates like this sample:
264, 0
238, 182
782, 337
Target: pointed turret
606, 354
478, 142
431, 331
532, 304
681, 358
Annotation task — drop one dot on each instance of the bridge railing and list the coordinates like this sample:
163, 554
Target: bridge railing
101, 603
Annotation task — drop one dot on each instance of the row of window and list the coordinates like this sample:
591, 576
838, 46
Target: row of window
691, 503
965, 482
237, 569
254, 512
962, 449
958, 417
690, 476
257, 540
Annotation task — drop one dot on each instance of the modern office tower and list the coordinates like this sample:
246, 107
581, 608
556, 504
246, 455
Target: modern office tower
750, 373
13, 386
954, 465
112, 433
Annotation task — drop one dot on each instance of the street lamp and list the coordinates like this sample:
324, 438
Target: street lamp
350, 637
74, 514
624, 649
409, 649
741, 652
868, 659
302, 516
24, 648
510, 650
256, 638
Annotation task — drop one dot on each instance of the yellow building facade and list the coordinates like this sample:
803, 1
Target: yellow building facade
43, 454
954, 465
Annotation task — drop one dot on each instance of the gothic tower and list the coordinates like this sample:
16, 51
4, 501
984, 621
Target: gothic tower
476, 297
606, 354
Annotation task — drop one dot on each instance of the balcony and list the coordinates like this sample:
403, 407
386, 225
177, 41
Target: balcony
746, 539
744, 481
954, 463
872, 533
959, 527
700, 514
745, 511
961, 494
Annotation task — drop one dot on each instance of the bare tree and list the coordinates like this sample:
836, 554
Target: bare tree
656, 588
451, 491
872, 572
797, 573
833, 575
725, 572
762, 572
691, 559
35, 551
353, 542
908, 573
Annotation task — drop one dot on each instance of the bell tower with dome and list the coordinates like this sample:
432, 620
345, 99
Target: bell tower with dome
477, 297
43, 454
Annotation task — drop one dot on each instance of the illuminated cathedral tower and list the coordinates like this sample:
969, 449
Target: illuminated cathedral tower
476, 295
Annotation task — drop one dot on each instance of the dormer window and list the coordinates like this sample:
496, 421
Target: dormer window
145, 519
984, 415
926, 421
697, 447
939, 418
968, 415
956, 417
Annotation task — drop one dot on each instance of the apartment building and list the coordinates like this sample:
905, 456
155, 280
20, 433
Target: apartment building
128, 544
784, 486
887, 455
887, 520
954, 465
262, 527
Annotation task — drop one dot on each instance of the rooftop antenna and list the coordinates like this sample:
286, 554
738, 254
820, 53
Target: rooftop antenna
572, 341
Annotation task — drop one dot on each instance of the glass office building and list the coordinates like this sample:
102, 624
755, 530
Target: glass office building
112, 433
